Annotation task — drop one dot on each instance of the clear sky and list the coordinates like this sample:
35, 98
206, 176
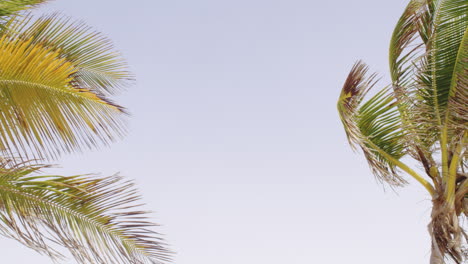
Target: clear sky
235, 141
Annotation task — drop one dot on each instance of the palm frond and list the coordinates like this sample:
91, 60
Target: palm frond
404, 45
425, 116
10, 7
426, 22
44, 111
450, 22
99, 67
95, 218
457, 150
374, 125
457, 111
407, 45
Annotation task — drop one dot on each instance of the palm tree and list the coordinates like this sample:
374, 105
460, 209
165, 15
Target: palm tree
422, 115
56, 77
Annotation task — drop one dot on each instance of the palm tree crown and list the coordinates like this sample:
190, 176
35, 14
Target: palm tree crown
423, 114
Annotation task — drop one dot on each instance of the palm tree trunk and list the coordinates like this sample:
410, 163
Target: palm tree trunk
436, 256
446, 234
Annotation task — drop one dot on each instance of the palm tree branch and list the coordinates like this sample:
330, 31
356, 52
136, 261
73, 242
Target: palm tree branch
100, 68
10, 7
450, 54
82, 213
456, 116
402, 38
374, 127
405, 46
405, 168
450, 22
43, 111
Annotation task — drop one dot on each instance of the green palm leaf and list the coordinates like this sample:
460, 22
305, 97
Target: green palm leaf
452, 20
45, 111
374, 125
10, 7
95, 218
404, 45
458, 93
99, 67
55, 77
439, 65
426, 116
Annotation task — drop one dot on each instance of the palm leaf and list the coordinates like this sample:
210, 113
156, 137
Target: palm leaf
457, 112
44, 111
456, 125
404, 45
374, 125
407, 46
10, 7
450, 22
99, 67
95, 218
425, 116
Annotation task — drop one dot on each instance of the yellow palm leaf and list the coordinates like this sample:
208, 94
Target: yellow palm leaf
43, 111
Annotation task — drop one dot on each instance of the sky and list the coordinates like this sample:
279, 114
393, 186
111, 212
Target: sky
234, 139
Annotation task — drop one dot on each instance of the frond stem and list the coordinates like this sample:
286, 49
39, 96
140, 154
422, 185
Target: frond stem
56, 90
405, 168
451, 181
450, 174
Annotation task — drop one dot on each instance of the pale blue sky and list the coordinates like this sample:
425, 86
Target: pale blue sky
234, 139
